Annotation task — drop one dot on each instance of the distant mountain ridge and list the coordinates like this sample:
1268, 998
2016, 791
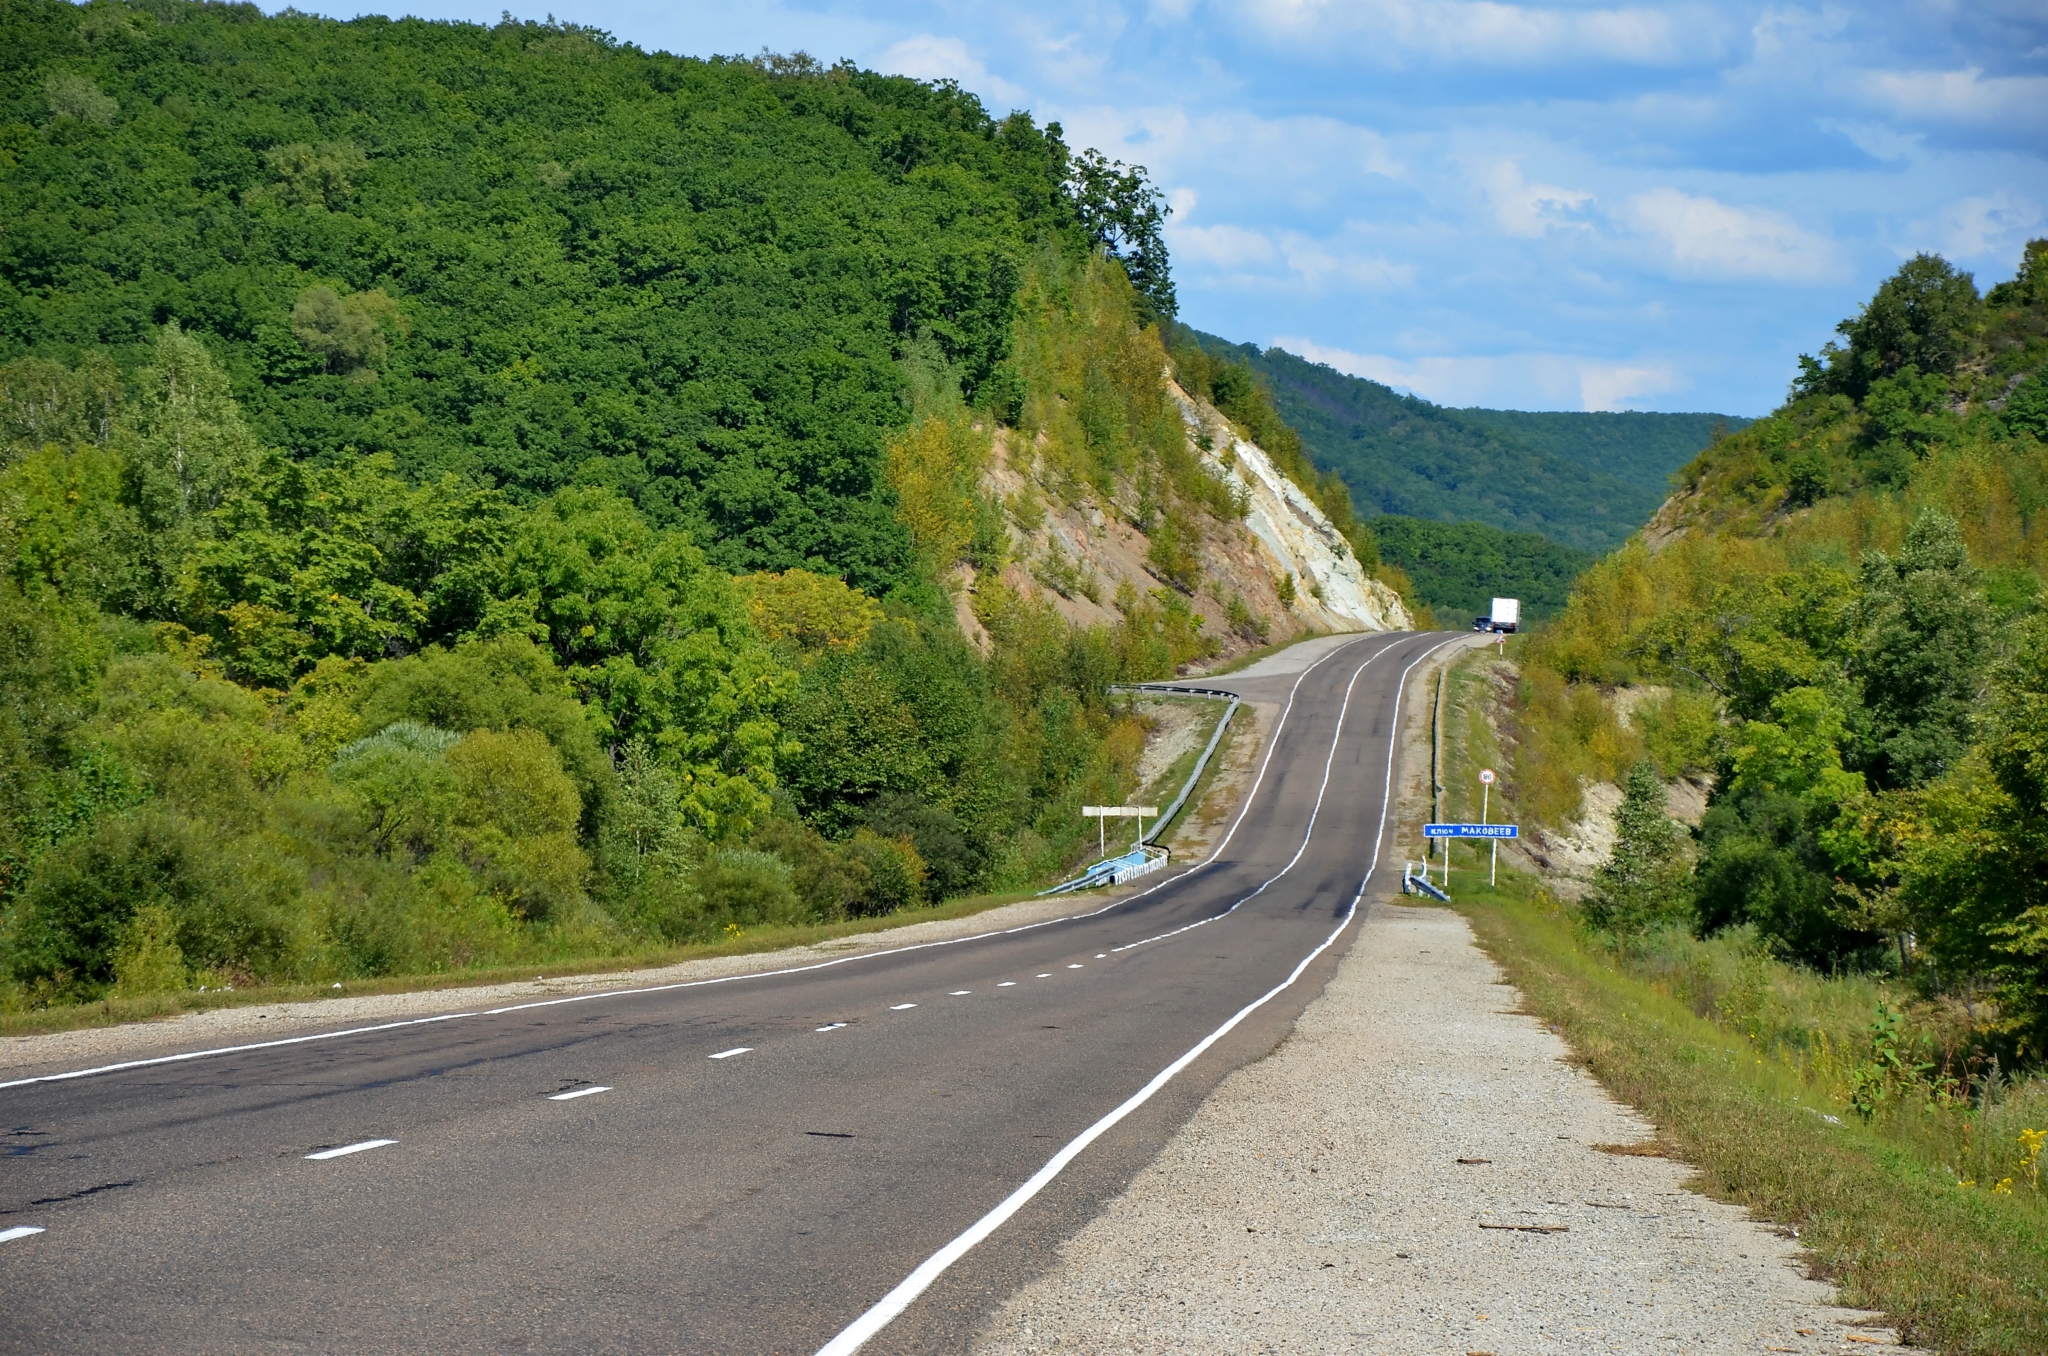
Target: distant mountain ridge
1584, 480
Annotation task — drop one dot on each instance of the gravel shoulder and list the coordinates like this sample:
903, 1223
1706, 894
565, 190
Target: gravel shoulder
1415, 1170
1420, 1168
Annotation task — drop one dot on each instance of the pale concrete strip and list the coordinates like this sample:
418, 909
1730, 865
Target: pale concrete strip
1315, 1202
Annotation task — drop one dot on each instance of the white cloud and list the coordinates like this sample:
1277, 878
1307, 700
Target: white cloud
1611, 386
1530, 210
1224, 246
1482, 31
1993, 226
1703, 236
1502, 381
928, 57
1964, 96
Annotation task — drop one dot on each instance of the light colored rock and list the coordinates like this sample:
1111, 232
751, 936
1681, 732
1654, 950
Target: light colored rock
1297, 537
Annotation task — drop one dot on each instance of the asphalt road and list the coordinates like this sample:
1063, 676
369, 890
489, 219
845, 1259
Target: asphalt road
767, 1159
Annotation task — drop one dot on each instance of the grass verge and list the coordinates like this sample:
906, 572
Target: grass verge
1964, 1271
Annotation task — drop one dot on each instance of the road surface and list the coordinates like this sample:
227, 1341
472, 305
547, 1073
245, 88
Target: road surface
785, 1163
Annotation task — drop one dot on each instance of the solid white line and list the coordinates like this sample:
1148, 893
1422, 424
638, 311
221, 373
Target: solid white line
831, 1026
347, 1149
578, 1092
856, 1333
1315, 813
728, 1054
1250, 796
19, 1231
900, 1007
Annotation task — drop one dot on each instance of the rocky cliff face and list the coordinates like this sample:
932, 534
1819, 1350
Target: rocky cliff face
1079, 553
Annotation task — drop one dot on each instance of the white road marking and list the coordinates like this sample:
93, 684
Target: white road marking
856, 1333
574, 1093
728, 1054
1102, 955
18, 1231
831, 1026
1214, 854
1077, 966
1046, 975
1007, 984
347, 1149
1316, 811
901, 1006
959, 993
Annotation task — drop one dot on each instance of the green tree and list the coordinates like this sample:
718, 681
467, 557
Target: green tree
1642, 882
1924, 640
1922, 317
1975, 869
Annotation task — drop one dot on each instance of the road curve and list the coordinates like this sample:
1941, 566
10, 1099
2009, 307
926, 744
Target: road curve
866, 1155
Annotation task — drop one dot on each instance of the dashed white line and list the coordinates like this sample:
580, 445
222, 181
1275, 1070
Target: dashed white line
831, 1026
574, 1093
18, 1231
959, 993
902, 1006
1077, 966
728, 1054
347, 1149
1046, 975
1102, 955
1007, 984
1215, 853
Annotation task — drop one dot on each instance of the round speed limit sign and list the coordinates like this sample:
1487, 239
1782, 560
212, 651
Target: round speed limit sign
1486, 777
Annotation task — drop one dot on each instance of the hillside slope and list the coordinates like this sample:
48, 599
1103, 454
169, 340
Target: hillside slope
1838, 619
525, 253
1584, 480
474, 497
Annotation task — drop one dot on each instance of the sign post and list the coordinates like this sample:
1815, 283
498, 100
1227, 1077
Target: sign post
1485, 789
1102, 814
1447, 832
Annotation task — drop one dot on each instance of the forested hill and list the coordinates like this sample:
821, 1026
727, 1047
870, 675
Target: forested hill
1842, 608
525, 253
1585, 480
477, 496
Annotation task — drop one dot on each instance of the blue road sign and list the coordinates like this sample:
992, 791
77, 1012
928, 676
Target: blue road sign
1469, 831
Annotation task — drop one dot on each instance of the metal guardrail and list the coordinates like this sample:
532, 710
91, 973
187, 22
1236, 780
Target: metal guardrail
1215, 737
1139, 861
1412, 884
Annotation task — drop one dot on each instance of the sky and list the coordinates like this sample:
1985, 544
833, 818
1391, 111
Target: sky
1561, 206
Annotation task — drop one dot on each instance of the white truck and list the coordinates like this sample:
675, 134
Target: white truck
1506, 616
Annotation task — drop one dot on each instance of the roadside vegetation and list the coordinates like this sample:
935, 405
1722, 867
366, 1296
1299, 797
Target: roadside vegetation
1832, 993
476, 497
1931, 1210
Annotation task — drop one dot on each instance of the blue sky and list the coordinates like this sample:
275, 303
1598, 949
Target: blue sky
1557, 206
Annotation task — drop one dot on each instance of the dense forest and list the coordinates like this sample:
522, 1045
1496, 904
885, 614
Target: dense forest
1457, 569
1583, 480
471, 495
1839, 618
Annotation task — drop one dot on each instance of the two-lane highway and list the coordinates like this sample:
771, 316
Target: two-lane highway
874, 1150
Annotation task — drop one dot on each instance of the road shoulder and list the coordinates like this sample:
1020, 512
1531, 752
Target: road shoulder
1415, 1169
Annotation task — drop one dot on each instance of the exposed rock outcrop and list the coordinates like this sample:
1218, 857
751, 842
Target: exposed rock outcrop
1077, 552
